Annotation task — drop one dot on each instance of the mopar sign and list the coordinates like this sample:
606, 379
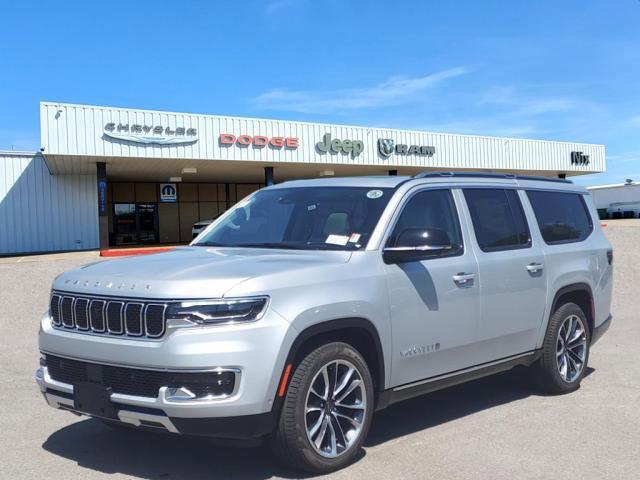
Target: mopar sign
168, 192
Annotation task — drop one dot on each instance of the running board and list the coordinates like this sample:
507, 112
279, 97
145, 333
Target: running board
432, 384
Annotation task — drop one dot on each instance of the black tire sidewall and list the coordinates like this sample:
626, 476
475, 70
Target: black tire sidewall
309, 459
550, 377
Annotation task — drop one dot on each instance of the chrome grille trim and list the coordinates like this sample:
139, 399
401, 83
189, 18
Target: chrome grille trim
54, 309
96, 309
67, 317
117, 331
77, 313
94, 324
140, 330
146, 319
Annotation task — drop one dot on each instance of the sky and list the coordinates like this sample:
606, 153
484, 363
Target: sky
542, 69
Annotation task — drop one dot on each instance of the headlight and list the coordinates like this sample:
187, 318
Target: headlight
214, 312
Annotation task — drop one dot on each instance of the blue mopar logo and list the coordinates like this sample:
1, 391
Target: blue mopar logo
168, 191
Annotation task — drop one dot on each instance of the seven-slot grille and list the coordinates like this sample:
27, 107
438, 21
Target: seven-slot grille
109, 316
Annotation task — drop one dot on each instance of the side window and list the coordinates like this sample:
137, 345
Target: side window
562, 217
498, 219
432, 209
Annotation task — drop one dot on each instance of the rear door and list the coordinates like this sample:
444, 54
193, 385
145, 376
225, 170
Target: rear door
512, 274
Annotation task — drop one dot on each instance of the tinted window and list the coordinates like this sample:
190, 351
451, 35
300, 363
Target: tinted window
309, 218
562, 217
432, 209
498, 219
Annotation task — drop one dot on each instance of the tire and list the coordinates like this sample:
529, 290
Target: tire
297, 440
560, 369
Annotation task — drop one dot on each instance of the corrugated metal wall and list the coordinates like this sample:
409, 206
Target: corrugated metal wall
40, 212
78, 130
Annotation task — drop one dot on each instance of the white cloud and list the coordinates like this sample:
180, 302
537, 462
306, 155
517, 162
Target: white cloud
391, 92
510, 98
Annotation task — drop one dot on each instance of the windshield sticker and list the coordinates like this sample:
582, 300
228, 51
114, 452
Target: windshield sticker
311, 207
354, 238
374, 194
337, 240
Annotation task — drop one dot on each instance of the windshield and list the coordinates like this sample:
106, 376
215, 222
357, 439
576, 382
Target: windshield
309, 218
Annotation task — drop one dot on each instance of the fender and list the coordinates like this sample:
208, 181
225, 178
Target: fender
575, 287
339, 324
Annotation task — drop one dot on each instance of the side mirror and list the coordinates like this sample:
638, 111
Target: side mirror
418, 244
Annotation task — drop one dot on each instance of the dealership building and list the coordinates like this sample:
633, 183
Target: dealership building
108, 177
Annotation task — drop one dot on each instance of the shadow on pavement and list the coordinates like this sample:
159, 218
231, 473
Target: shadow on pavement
96, 446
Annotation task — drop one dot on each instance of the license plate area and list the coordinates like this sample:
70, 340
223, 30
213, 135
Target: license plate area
94, 399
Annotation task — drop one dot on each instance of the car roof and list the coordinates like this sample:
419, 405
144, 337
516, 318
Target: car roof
445, 178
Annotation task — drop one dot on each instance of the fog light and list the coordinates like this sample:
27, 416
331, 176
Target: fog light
178, 394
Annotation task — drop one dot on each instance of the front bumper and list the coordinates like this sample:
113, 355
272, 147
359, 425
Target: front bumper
157, 413
256, 352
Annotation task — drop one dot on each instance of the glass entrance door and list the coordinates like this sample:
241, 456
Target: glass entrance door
135, 223
147, 218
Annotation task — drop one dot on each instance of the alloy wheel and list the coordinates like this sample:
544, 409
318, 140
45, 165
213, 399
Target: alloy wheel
571, 348
335, 408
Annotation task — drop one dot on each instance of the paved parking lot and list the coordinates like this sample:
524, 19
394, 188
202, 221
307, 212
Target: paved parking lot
495, 428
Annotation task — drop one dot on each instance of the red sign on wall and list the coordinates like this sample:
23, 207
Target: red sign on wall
258, 141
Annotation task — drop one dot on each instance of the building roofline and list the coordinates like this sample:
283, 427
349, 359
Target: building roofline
18, 153
613, 185
233, 117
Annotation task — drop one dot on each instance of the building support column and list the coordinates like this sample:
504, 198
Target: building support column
268, 176
393, 173
103, 213
562, 175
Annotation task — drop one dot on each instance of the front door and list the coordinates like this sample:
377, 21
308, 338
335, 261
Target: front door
512, 273
434, 303
135, 223
147, 216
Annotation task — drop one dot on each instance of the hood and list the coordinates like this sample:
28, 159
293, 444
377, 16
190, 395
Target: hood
189, 272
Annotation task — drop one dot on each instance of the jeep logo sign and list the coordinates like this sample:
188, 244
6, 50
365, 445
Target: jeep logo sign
354, 147
579, 158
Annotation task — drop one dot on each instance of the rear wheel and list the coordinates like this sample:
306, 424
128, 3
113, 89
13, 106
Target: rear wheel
327, 410
565, 351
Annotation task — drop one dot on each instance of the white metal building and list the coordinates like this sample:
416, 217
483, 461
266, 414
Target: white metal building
617, 198
117, 176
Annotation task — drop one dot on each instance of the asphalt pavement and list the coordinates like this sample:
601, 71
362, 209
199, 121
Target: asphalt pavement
495, 428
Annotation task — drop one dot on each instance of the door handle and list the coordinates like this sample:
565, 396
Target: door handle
464, 279
534, 267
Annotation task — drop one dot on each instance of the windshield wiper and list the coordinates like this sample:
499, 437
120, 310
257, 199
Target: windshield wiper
290, 246
211, 244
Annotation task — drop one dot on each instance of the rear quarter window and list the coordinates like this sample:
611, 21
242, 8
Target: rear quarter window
562, 217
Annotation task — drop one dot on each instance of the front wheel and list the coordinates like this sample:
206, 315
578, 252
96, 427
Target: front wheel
565, 351
327, 410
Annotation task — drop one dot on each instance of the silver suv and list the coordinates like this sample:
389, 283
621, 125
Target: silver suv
311, 304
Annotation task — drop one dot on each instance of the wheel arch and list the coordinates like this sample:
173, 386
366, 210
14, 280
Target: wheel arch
356, 331
582, 295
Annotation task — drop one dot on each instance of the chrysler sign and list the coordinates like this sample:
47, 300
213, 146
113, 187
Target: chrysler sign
388, 146
150, 134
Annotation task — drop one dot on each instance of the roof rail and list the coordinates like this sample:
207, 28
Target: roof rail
508, 176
